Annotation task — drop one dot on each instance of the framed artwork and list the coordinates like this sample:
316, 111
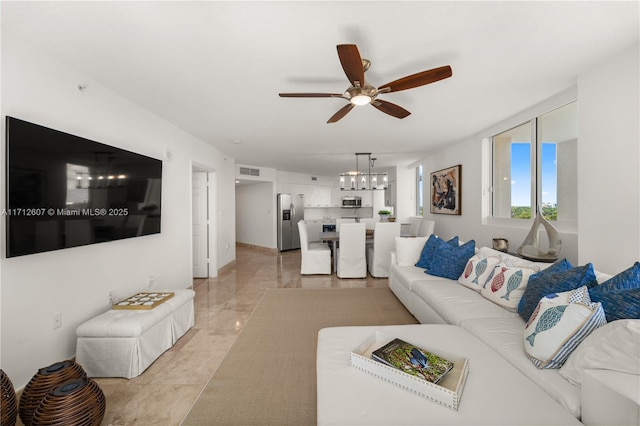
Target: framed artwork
445, 190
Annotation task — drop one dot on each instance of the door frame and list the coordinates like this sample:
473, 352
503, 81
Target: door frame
212, 222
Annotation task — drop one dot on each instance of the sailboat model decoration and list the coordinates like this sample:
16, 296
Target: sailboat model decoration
530, 246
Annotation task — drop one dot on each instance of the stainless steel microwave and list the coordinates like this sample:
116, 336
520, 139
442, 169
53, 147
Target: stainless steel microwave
352, 201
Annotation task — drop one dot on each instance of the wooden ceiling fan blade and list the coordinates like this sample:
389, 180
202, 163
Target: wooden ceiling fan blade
341, 113
310, 95
391, 109
351, 63
418, 79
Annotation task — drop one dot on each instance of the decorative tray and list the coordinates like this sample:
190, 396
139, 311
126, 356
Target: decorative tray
447, 392
143, 301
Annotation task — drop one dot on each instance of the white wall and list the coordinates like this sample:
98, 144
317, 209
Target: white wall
405, 193
255, 214
608, 166
76, 281
608, 175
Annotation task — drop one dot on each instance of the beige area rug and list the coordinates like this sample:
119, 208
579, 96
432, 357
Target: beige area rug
269, 375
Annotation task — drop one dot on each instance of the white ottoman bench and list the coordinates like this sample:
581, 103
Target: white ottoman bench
123, 343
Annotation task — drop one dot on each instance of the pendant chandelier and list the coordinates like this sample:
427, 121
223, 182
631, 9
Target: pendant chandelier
361, 179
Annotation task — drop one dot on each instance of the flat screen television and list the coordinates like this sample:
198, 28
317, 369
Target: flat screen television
66, 191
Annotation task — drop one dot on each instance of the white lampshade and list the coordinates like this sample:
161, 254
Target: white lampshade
360, 100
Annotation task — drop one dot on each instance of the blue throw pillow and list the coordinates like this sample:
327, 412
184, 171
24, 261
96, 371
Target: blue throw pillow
620, 296
430, 248
545, 282
557, 266
449, 261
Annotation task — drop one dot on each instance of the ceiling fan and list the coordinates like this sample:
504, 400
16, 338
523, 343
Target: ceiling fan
362, 93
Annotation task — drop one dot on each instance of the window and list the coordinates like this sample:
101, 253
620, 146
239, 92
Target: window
535, 164
419, 192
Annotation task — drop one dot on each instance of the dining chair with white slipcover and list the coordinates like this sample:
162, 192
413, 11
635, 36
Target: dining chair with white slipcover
352, 260
341, 221
316, 257
379, 253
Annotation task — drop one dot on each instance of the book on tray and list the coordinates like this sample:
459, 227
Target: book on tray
413, 360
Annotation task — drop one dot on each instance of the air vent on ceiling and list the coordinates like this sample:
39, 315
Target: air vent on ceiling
249, 171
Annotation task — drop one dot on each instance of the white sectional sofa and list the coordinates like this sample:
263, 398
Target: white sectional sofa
614, 398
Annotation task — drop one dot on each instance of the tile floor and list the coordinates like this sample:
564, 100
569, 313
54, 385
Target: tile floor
165, 392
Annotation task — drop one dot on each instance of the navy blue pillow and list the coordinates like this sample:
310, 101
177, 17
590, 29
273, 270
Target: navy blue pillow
545, 282
449, 261
430, 247
620, 296
557, 266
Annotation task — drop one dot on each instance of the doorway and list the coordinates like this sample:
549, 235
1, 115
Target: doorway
204, 254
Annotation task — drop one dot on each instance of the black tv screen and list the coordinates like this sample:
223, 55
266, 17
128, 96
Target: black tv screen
66, 191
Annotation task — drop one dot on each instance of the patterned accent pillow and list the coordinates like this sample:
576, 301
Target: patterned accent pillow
560, 322
408, 250
547, 281
506, 286
477, 270
449, 262
430, 248
620, 296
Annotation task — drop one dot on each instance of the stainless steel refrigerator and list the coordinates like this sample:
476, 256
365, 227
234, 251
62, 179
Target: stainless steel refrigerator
290, 211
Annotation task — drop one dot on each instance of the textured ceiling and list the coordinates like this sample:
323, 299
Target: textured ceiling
215, 68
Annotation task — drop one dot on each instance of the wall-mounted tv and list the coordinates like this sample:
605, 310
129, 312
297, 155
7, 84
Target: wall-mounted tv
66, 191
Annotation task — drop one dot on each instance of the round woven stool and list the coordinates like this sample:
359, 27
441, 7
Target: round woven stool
42, 382
9, 406
77, 402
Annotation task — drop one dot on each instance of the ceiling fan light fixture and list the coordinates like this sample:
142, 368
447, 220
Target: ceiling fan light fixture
360, 100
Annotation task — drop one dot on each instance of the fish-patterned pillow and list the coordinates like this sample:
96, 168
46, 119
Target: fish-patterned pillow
478, 269
506, 286
560, 322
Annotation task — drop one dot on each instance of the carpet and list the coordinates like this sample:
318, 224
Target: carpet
268, 377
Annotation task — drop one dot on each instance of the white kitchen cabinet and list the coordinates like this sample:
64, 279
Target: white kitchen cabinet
378, 201
336, 197
309, 194
322, 196
367, 198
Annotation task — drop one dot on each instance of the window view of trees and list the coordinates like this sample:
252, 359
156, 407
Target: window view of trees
535, 163
549, 212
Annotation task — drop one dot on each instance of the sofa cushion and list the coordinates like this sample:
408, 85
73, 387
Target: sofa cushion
614, 346
477, 271
407, 275
408, 250
550, 281
455, 303
430, 247
620, 295
506, 286
504, 335
449, 262
559, 324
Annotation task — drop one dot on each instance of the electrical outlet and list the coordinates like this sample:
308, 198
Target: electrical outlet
57, 320
152, 282
112, 297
